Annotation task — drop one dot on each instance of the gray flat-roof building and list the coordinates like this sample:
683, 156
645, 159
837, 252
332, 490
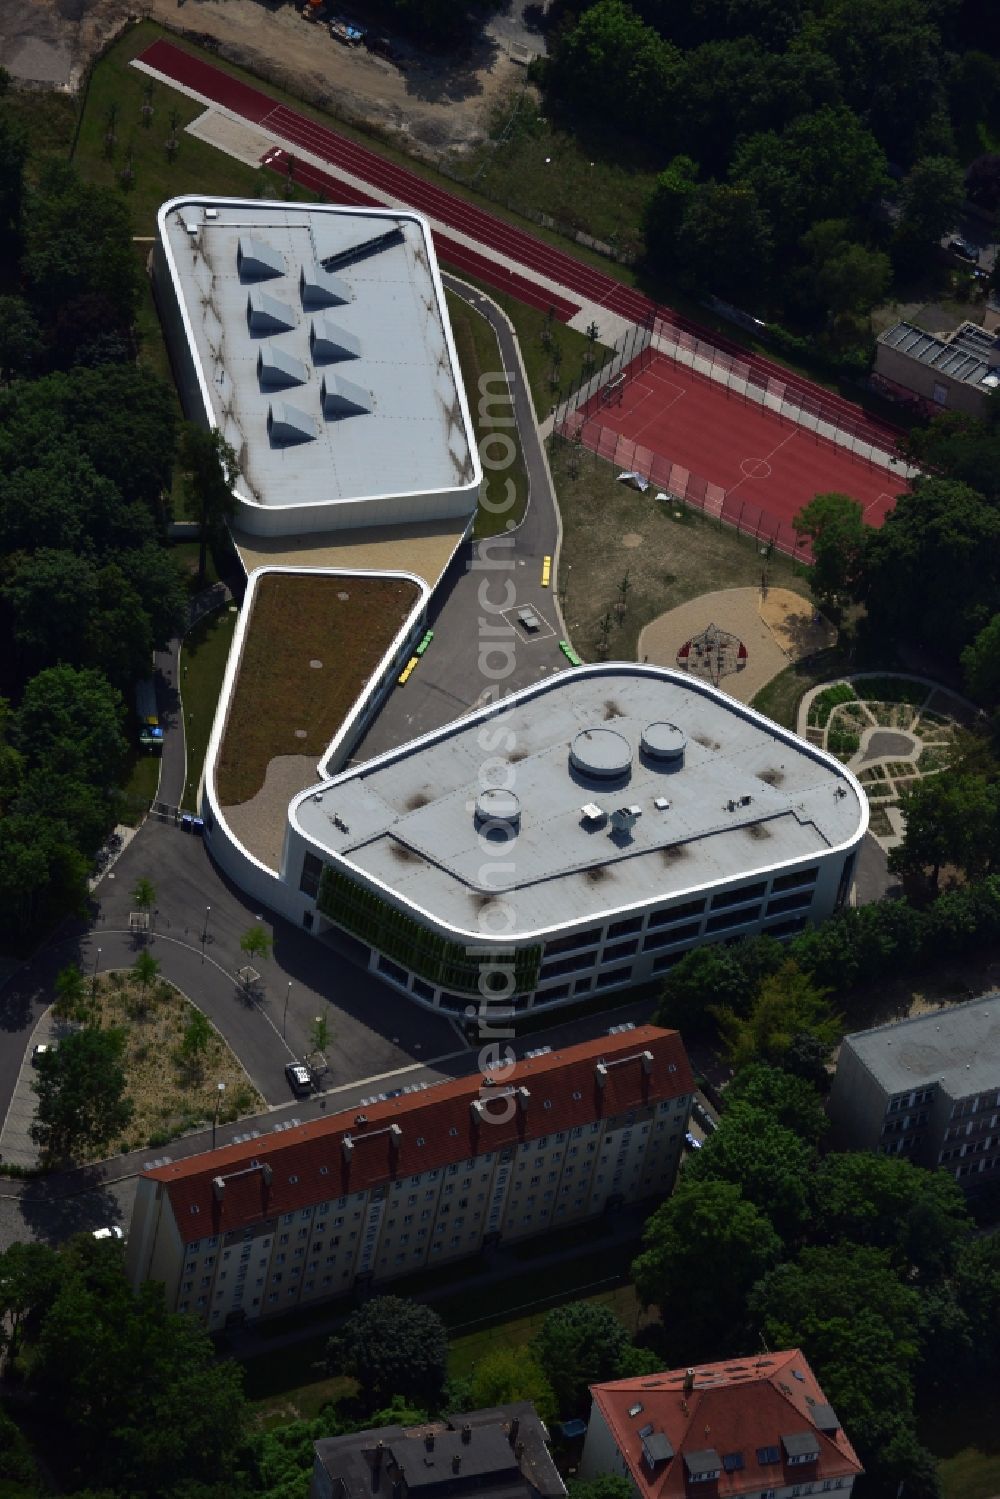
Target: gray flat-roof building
927, 1088
500, 1453
957, 372
581, 836
317, 339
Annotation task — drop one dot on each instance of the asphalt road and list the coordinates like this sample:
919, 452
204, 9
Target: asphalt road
475, 647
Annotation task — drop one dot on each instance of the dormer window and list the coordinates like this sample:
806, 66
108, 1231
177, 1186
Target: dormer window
704, 1466
732, 1461
800, 1447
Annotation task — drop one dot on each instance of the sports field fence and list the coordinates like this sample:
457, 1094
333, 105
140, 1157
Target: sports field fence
679, 486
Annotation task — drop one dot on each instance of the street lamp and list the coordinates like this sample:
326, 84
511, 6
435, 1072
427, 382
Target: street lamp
284, 1018
221, 1088
204, 935
97, 964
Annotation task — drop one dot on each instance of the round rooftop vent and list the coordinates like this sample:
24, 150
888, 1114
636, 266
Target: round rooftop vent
600, 752
663, 741
497, 805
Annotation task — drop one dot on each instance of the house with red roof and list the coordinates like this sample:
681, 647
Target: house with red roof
306, 1213
745, 1428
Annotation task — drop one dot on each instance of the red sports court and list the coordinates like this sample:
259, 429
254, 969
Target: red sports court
727, 455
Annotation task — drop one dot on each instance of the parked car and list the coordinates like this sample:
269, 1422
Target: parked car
381, 45
43, 1049
111, 1232
299, 1078
963, 249
701, 1116
691, 1141
343, 31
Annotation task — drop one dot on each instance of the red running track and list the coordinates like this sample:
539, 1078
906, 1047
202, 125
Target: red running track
753, 455
253, 104
459, 256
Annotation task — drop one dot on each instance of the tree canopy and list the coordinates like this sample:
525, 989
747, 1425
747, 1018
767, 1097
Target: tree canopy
392, 1347
580, 1344
769, 1164
81, 1093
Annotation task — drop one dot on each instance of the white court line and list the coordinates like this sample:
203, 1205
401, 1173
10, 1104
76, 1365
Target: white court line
766, 459
661, 411
888, 498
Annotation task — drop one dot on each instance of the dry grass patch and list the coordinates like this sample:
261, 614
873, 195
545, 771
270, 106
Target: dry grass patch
682, 556
172, 1093
282, 705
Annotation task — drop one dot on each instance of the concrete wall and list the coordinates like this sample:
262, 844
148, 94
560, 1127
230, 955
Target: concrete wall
341, 515
857, 1103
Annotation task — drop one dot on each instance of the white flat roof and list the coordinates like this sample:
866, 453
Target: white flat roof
743, 796
269, 279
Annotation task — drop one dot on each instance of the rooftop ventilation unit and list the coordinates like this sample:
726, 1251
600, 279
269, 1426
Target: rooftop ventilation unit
592, 813
362, 249
602, 753
267, 314
318, 288
663, 742
258, 261
499, 808
330, 344
624, 819
288, 425
342, 397
277, 370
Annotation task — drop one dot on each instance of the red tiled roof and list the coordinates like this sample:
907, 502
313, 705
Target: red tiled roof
308, 1164
742, 1405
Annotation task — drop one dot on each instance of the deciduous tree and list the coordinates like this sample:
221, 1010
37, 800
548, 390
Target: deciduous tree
507, 1375
790, 1100
834, 523
578, 1345
392, 1347
769, 1164
210, 471
81, 1094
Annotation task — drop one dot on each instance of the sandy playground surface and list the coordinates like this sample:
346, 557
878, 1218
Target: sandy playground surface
776, 630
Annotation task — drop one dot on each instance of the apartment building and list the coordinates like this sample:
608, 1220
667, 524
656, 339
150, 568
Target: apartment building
501, 1453
927, 1088
300, 1215
758, 1428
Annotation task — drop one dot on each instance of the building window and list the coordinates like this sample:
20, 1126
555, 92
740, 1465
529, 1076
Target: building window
677, 913
625, 928
796, 878
738, 897
732, 918
392, 970
614, 976
576, 939
786, 928
312, 869
620, 950
671, 936
790, 903
421, 989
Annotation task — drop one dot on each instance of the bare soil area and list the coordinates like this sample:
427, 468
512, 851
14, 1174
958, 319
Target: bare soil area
437, 102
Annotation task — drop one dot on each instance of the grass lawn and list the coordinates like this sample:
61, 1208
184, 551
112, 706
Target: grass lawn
203, 663
539, 336
780, 698
347, 624
186, 553
479, 355
197, 167
668, 562
582, 177
171, 1095
139, 787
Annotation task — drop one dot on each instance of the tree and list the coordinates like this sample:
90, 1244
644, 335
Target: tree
664, 211
72, 721
790, 1100
78, 239
21, 346
715, 977
949, 819
81, 1094
210, 471
51, 596
726, 242
770, 1165
605, 1486
29, 1276
105, 1357
853, 280
13, 156
981, 664
69, 987
982, 182
255, 942
918, 1217
929, 204
787, 1004
613, 66
824, 165
144, 969
976, 1282
932, 571
834, 523
392, 1347
319, 1035
703, 1250
509, 1374
197, 1035
144, 894
579, 1344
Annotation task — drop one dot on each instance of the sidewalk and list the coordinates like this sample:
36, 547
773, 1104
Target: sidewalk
16, 1145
